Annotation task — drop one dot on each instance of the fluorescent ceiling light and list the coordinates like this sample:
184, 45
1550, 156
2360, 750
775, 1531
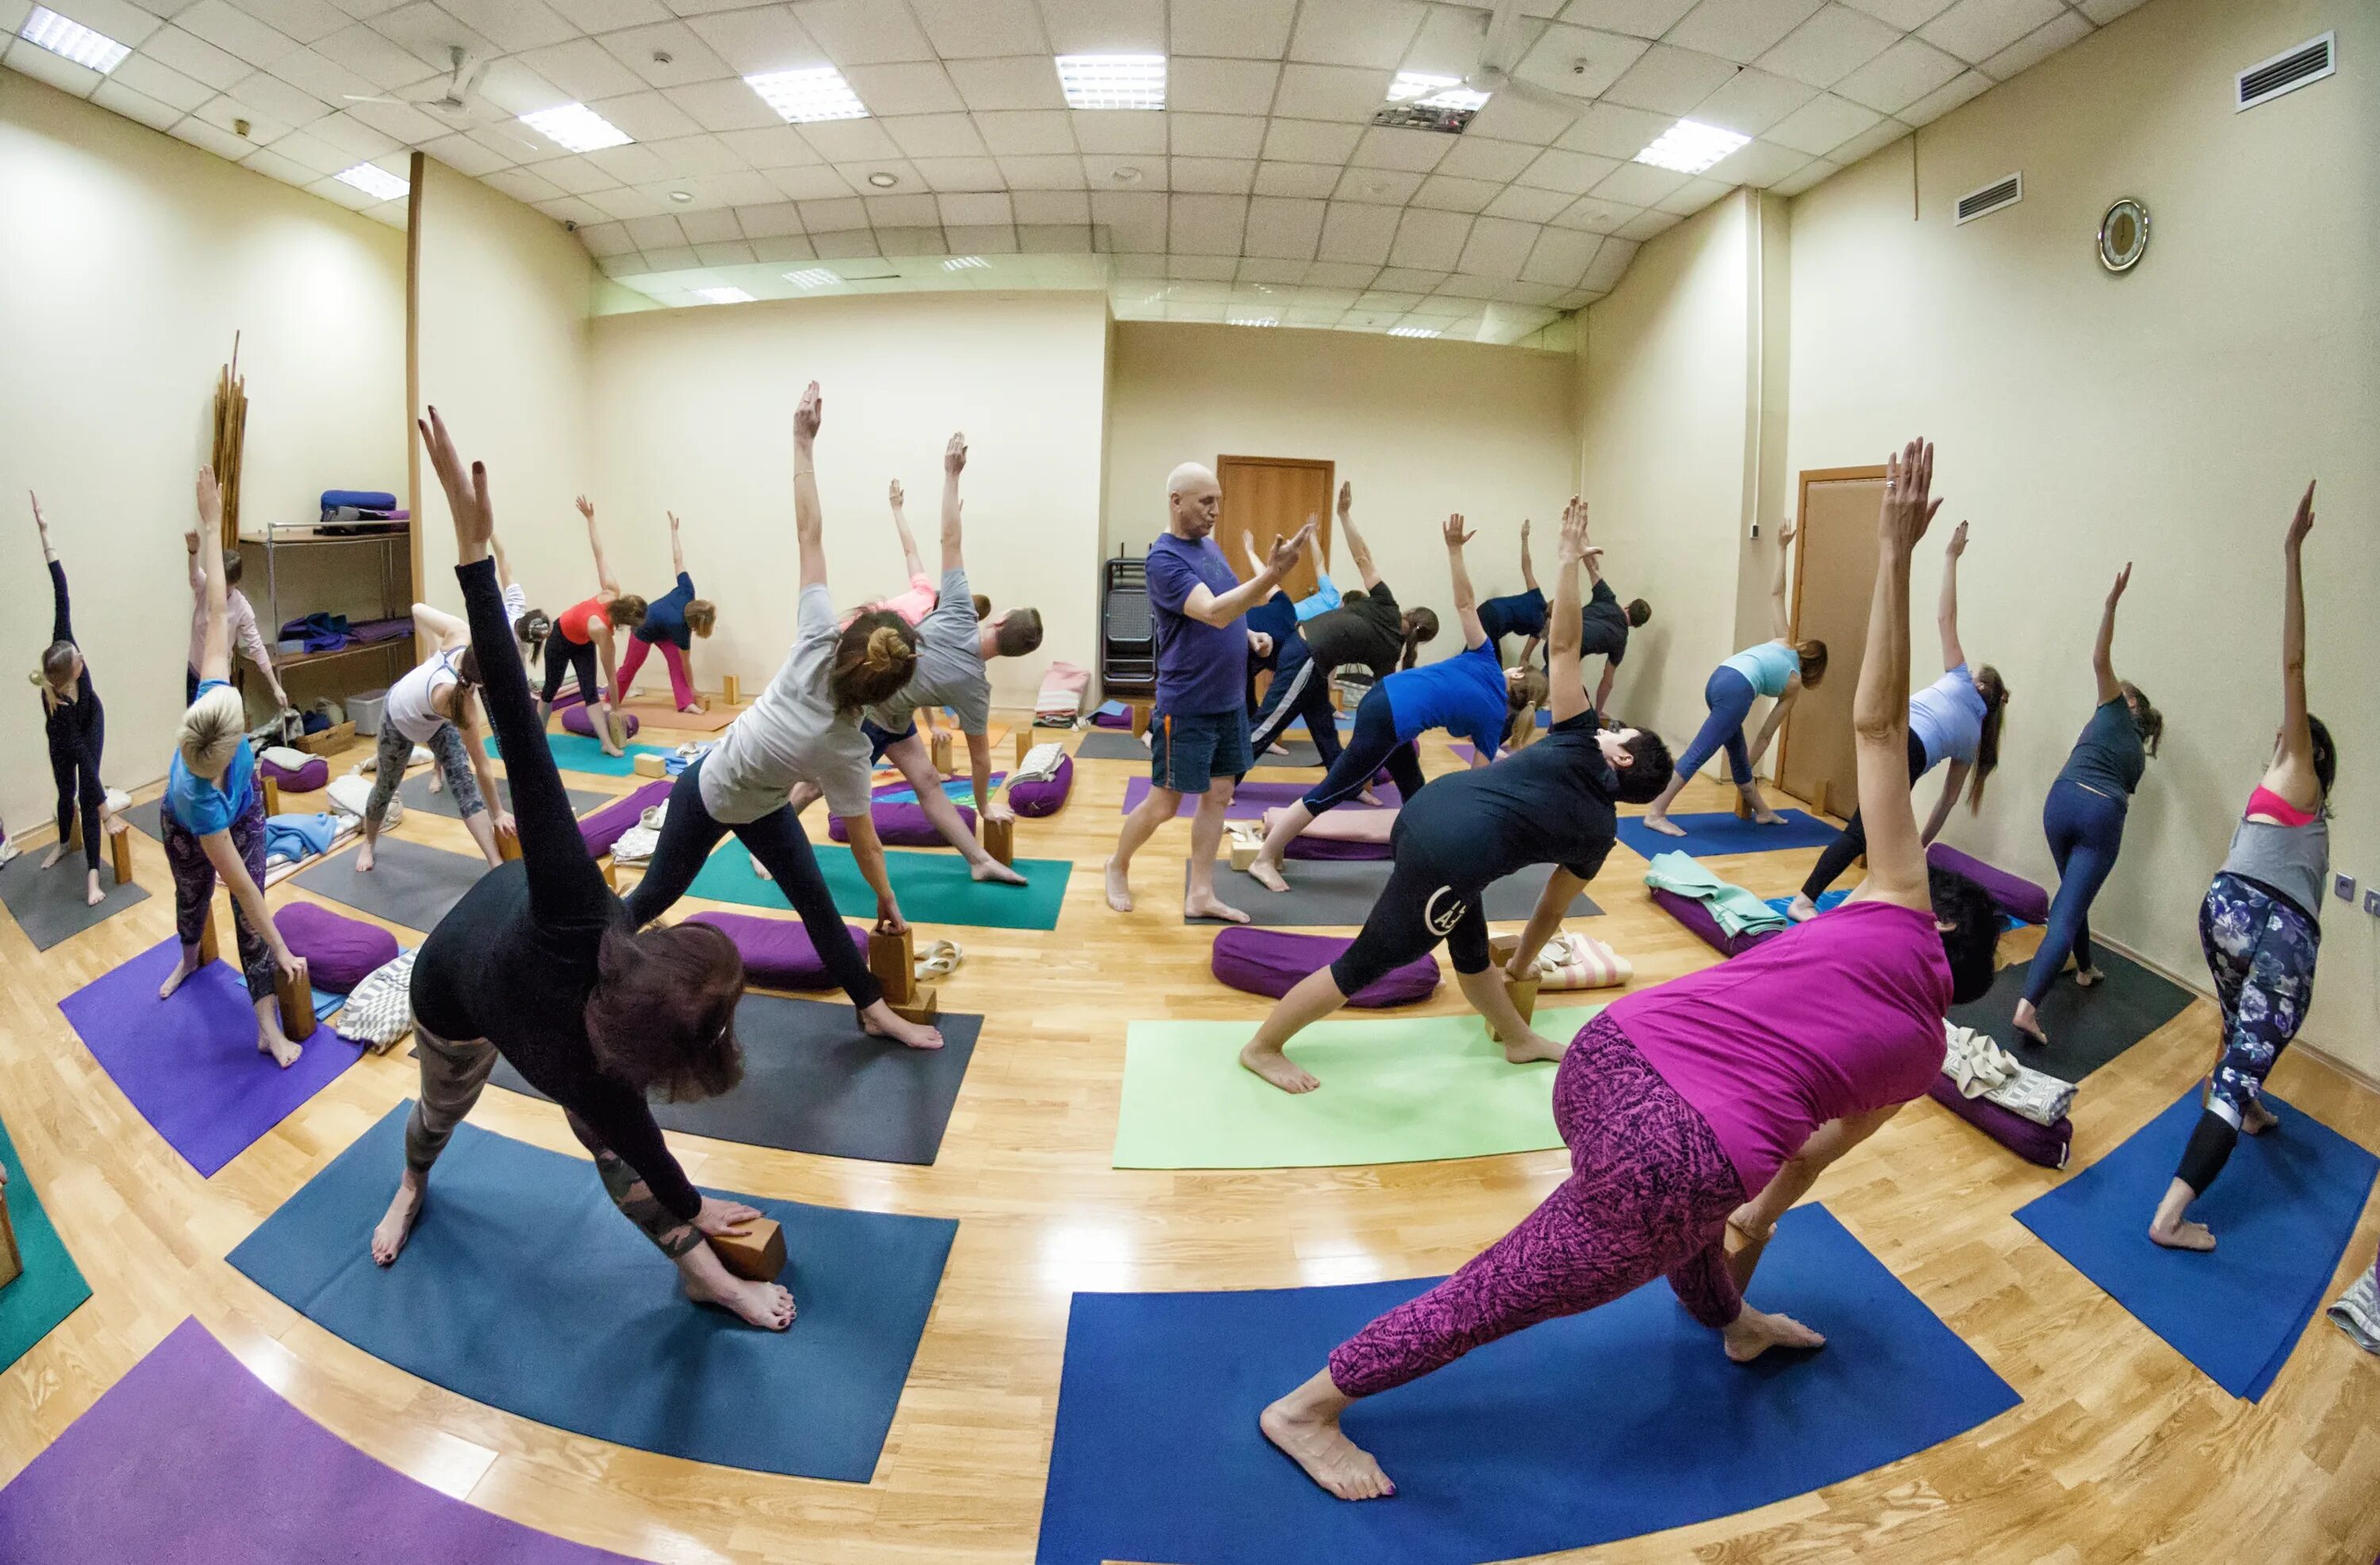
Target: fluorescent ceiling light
1254, 320
1113, 81
724, 295
578, 128
374, 181
802, 96
811, 277
965, 263
1690, 147
71, 39
1434, 91
1413, 330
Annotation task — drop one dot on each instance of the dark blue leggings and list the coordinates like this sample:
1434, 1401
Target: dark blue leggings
1301, 687
1728, 695
2085, 828
1371, 744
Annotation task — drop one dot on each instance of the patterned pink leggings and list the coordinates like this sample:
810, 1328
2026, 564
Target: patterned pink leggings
1649, 1192
681, 687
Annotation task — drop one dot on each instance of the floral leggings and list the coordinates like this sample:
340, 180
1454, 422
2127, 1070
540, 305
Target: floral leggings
194, 886
1649, 1194
2261, 949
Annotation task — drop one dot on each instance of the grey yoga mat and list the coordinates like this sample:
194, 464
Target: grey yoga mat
48, 904
414, 792
408, 884
1341, 891
1116, 743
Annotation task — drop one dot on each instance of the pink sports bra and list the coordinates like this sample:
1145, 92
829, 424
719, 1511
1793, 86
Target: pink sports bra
2263, 801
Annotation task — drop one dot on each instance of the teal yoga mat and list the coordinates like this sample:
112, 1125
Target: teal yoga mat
576, 752
52, 1287
934, 888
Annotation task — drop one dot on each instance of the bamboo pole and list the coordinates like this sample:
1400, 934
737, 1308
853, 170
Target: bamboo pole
230, 437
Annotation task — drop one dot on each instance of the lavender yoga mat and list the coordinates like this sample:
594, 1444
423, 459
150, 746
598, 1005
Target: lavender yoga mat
1250, 800
191, 1064
190, 1459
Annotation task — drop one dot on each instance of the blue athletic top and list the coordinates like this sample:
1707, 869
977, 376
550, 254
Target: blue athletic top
665, 617
201, 806
1464, 695
1767, 667
1200, 668
1947, 717
2109, 757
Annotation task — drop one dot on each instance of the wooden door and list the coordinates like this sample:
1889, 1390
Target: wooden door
1271, 497
1834, 582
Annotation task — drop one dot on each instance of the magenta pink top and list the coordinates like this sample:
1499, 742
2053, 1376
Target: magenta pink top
1839, 1015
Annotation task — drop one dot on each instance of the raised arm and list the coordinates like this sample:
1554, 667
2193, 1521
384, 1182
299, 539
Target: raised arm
448, 633
1209, 607
1568, 696
1946, 615
2103, 652
953, 464
1256, 561
916, 568
809, 525
1356, 549
214, 650
1466, 601
1780, 614
1528, 572
604, 580
2293, 776
677, 551
1896, 859
61, 612
503, 570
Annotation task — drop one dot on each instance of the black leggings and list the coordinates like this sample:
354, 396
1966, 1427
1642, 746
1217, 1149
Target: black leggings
1852, 841
1422, 905
73, 766
1301, 687
689, 832
1371, 744
577, 657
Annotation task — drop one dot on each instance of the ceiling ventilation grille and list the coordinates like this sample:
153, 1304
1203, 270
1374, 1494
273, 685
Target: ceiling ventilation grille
2301, 67
2002, 192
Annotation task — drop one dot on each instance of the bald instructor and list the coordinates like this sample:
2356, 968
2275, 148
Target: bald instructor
1199, 734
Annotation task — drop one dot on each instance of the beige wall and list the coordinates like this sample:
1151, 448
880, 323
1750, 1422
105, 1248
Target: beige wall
2169, 418
127, 260
694, 413
1420, 428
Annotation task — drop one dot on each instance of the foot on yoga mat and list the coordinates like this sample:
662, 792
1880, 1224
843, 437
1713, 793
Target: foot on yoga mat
2087, 1027
2282, 1212
1250, 800
934, 888
576, 752
1402, 1090
1719, 833
190, 1063
1588, 1428
1339, 893
50, 905
407, 884
414, 792
814, 1082
50, 1288
190, 1456
594, 1336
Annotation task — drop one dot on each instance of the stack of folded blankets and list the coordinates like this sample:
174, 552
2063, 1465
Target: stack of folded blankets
1060, 701
362, 505
2017, 1105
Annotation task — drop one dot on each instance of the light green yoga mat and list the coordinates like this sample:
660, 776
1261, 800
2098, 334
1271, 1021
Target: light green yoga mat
934, 888
52, 1287
1394, 1091
576, 752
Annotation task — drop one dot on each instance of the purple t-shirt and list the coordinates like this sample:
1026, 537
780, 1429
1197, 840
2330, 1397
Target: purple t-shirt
1839, 1015
1200, 668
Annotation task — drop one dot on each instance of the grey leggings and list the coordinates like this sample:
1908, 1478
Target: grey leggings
454, 763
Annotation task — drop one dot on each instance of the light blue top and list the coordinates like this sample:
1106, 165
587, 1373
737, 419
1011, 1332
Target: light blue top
1767, 667
200, 806
1947, 717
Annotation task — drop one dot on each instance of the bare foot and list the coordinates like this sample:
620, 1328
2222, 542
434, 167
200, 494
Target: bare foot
1370, 798
57, 851
609, 750
1266, 872
396, 1223
1661, 823
1762, 816
2086, 977
1212, 906
1533, 1044
883, 1022
91, 895
1119, 886
2181, 1234
991, 868
182, 969
1329, 1457
764, 1304
1755, 1331
271, 1040
2258, 1119
1801, 909
364, 859
437, 780
1278, 1068
2027, 1022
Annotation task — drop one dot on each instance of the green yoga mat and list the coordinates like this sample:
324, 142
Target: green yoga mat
934, 888
576, 752
52, 1287
1402, 1090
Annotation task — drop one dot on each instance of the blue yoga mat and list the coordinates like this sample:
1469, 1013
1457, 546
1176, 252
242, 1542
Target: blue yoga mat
2282, 1214
578, 752
524, 1288
1624, 1420
1719, 833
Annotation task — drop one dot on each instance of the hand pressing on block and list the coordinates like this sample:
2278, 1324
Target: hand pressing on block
738, 1242
754, 1251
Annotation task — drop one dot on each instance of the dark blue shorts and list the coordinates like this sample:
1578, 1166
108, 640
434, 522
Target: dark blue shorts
1189, 750
883, 739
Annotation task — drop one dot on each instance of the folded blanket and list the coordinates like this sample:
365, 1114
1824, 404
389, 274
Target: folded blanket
361, 499
2358, 1311
364, 632
1981, 1068
1573, 961
293, 837
1737, 910
320, 633
1060, 695
1040, 764
1342, 825
379, 1009
351, 794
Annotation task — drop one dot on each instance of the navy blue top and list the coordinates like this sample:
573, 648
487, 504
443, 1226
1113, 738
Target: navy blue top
2109, 756
68, 721
665, 617
1200, 668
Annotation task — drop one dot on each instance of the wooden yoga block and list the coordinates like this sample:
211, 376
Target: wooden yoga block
730, 691
297, 997
12, 1264
999, 839
1140, 715
509, 849
1525, 992
893, 958
1243, 855
647, 764
1024, 743
942, 751
758, 1255
272, 795
611, 873
1743, 807
119, 847
73, 832
208, 950
1743, 1253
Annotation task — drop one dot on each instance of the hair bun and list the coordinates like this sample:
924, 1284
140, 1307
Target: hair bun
887, 649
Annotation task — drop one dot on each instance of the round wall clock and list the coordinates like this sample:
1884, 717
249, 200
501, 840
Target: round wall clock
2123, 236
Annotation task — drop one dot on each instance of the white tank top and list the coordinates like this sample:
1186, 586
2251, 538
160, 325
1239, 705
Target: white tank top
409, 698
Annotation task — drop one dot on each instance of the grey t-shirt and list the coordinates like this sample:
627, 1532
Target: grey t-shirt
950, 665
791, 734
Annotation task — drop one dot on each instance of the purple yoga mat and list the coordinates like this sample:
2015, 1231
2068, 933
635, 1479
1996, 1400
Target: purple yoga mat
191, 1064
1250, 800
190, 1459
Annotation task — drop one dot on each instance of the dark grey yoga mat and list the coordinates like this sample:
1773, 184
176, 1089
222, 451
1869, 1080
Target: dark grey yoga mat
1116, 743
409, 885
47, 904
1341, 891
148, 817
414, 792
2086, 1027
814, 1082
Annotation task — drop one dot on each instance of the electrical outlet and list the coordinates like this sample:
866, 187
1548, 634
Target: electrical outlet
2372, 902
2343, 888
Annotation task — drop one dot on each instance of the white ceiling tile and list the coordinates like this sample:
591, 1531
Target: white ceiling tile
581, 68
1443, 192
1741, 31
315, 73
903, 211
698, 154
138, 107
1129, 220
1670, 82
402, 121
1693, 196
606, 16
910, 241
275, 166
1508, 118
1358, 233
160, 83
1416, 152
345, 131
632, 165
1539, 294
1614, 130
1610, 263
1560, 257
1269, 271
1220, 268
1642, 18
690, 59
1751, 101
1758, 164
1465, 285
1476, 157
606, 239
1199, 85
2104, 11
1015, 82
992, 208
734, 189
573, 175
1638, 184
730, 252
1137, 172
1388, 187
919, 87
813, 182
1317, 179
1355, 33
1285, 229
511, 86
646, 116
521, 184
517, 144
1526, 204
850, 140
1215, 176
1899, 77
457, 152
1118, 133
981, 29
1331, 92
1451, 37
1976, 29
624, 202
1572, 173
198, 133
1431, 239
304, 20
833, 216
654, 232
1821, 125
1906, 14
724, 106
867, 32
431, 34
1309, 140
769, 220
331, 190
983, 238
1497, 247
843, 244
1251, 29
935, 135
1349, 274
1409, 278
1025, 132
228, 113
1646, 224
1943, 98
196, 58
1043, 173
1579, 62
2036, 46
959, 174
1882, 133
710, 227
512, 25
1830, 45
1104, 27
304, 147
1050, 208
1207, 225
903, 175
1215, 136
761, 39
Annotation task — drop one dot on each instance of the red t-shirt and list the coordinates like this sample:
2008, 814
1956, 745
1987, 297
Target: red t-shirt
577, 623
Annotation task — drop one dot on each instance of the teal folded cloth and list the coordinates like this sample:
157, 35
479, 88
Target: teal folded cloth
1736, 909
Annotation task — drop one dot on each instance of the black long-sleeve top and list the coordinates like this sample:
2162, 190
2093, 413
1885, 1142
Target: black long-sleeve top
68, 721
515, 958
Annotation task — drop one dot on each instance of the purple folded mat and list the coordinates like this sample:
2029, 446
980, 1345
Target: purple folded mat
599, 829
1250, 800
1272, 961
1698, 921
900, 823
777, 951
2046, 1145
1336, 848
190, 1459
191, 1064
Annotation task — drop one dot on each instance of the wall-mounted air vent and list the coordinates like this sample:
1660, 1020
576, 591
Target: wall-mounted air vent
2003, 192
2286, 72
